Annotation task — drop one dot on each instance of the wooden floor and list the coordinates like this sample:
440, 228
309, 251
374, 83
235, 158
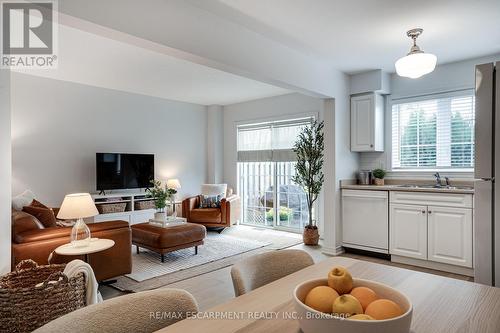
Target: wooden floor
216, 287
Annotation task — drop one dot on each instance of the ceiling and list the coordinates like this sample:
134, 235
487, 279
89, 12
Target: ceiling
360, 35
126, 67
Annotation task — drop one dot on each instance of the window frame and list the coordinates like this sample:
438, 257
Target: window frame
284, 118
465, 171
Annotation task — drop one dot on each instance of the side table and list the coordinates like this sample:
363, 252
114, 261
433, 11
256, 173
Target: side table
96, 245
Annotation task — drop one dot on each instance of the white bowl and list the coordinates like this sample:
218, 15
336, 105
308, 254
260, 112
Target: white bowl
312, 321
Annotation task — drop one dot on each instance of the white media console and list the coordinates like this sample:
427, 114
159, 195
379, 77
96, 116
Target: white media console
131, 214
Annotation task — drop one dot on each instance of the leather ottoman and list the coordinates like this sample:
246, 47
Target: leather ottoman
164, 240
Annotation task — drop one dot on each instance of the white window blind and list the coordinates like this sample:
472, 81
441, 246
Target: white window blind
270, 141
433, 133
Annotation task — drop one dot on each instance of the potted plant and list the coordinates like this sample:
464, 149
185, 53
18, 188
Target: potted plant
160, 195
379, 175
309, 149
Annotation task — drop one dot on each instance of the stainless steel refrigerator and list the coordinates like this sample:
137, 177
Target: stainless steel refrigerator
487, 167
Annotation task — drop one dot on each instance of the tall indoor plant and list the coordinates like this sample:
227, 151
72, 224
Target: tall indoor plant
309, 147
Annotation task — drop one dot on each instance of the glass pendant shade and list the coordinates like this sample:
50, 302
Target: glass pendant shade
416, 65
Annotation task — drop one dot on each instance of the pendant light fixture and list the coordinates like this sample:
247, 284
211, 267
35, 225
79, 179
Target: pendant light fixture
416, 63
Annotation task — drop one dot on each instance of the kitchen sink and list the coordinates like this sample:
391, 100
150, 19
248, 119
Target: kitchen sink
444, 187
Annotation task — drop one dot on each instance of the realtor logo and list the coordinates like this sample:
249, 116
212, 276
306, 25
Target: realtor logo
28, 34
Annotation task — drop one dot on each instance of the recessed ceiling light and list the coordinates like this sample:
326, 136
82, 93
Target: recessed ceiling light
416, 63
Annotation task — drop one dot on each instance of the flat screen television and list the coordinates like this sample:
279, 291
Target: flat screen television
116, 171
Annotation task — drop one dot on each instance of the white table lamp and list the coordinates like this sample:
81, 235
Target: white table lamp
78, 206
174, 184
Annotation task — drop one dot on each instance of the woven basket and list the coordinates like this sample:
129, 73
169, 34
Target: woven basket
310, 236
146, 204
109, 208
25, 307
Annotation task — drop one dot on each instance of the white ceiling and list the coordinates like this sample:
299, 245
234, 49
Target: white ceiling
95, 60
359, 35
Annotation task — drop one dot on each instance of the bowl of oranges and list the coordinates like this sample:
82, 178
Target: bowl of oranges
340, 303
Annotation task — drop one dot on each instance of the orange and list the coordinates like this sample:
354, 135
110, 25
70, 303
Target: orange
364, 295
321, 298
383, 309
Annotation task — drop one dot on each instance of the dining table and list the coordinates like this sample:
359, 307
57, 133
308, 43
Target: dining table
440, 304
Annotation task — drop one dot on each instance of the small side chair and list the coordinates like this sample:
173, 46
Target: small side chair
256, 271
143, 312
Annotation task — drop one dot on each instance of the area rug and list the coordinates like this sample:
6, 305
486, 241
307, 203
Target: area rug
278, 239
219, 251
147, 264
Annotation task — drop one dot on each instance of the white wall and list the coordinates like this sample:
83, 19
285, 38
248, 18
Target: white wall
448, 77
5, 171
215, 144
57, 127
346, 162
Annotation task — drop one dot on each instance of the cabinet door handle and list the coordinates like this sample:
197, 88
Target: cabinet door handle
371, 146
430, 212
423, 212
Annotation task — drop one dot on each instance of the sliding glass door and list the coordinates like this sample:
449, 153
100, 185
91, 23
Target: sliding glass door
266, 165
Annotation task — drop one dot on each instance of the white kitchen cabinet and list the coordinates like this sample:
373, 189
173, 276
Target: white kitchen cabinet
365, 220
435, 227
450, 235
367, 123
408, 231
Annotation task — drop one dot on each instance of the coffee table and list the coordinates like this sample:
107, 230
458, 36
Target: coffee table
164, 240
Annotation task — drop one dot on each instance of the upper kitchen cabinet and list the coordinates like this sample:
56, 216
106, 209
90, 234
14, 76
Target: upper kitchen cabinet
367, 123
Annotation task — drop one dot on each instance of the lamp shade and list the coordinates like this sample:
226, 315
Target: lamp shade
77, 206
416, 65
173, 184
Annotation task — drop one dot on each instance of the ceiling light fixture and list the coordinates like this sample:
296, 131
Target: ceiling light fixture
416, 63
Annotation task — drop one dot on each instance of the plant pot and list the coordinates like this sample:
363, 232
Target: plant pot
310, 236
378, 181
160, 216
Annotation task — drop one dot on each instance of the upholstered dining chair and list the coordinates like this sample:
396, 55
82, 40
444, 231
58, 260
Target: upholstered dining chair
261, 269
143, 312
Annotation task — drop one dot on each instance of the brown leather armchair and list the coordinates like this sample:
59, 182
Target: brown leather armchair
225, 216
30, 240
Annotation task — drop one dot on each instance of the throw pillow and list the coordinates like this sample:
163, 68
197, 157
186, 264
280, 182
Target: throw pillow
44, 215
214, 189
23, 199
36, 203
210, 201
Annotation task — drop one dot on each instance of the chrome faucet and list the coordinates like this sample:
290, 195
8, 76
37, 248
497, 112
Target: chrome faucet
438, 179
447, 181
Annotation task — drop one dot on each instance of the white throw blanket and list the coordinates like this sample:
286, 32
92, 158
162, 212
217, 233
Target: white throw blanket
78, 266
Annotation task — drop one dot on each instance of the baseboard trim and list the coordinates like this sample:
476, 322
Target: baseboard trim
433, 265
332, 251
366, 248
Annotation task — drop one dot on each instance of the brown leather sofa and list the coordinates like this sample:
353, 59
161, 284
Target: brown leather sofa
223, 217
30, 240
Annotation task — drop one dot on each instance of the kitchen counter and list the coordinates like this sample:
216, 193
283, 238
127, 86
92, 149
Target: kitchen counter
395, 187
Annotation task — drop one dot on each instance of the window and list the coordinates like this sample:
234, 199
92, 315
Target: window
434, 133
266, 165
